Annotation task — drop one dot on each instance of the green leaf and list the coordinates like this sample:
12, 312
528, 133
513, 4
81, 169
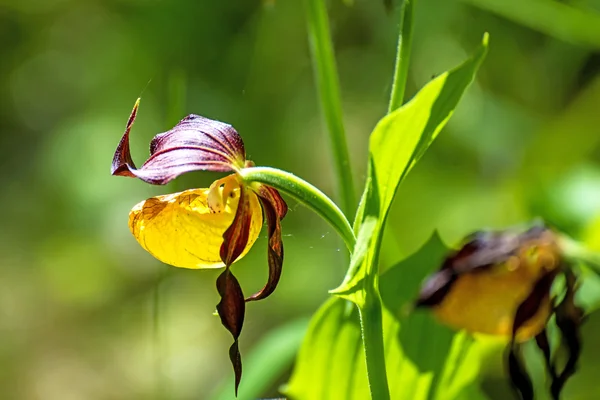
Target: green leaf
363, 243
402, 137
424, 359
397, 143
554, 18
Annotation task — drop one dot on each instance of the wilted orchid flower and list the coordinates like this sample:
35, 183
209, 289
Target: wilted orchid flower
499, 283
205, 228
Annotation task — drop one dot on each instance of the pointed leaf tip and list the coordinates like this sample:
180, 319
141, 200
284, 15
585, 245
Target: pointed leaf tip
486, 39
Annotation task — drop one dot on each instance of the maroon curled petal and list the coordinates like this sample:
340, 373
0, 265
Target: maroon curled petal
272, 196
195, 143
122, 162
274, 208
527, 310
236, 236
531, 305
231, 309
520, 380
569, 318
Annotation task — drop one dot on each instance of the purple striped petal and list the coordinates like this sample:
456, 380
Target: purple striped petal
195, 143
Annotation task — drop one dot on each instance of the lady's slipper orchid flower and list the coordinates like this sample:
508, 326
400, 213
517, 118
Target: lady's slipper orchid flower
499, 283
205, 228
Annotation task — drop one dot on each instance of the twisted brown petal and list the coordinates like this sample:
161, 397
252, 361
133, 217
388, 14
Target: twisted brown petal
542, 342
526, 311
274, 208
518, 374
231, 309
568, 319
195, 143
531, 305
237, 235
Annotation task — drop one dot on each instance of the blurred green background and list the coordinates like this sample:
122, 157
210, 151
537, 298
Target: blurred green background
77, 292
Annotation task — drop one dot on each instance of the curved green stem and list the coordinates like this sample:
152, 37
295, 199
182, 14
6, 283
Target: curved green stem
305, 193
329, 92
402, 56
575, 251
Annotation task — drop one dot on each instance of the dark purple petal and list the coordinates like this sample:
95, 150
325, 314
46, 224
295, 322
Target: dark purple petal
236, 236
273, 196
435, 288
531, 305
519, 378
274, 209
569, 318
231, 309
527, 310
542, 342
195, 143
122, 162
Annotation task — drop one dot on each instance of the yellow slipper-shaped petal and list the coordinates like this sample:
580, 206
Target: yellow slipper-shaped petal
487, 303
183, 230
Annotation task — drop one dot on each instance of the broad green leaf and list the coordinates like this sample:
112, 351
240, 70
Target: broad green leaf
402, 137
425, 360
397, 143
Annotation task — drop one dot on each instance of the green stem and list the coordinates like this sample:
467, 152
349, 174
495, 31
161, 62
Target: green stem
305, 193
372, 325
402, 56
371, 322
575, 251
329, 93
371, 306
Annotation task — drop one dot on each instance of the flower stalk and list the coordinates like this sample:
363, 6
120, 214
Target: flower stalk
329, 93
402, 56
305, 193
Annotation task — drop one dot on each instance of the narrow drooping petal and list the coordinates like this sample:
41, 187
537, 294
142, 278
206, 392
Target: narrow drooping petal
569, 318
231, 309
275, 209
537, 303
236, 237
542, 342
519, 378
185, 230
195, 143
272, 195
